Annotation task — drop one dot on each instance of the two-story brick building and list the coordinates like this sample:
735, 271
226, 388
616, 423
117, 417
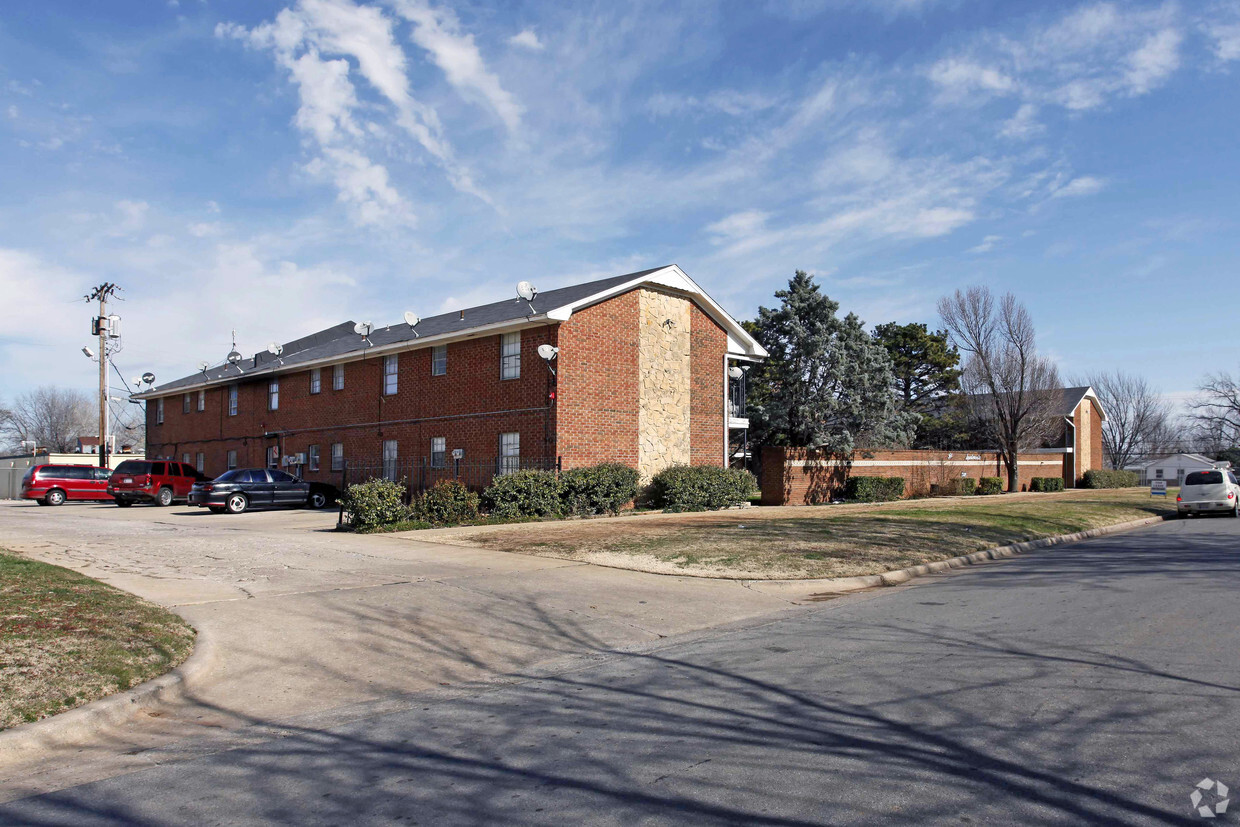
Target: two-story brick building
640, 375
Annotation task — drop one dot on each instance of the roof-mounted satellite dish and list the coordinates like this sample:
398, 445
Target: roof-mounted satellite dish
363, 328
148, 378
234, 356
412, 320
203, 365
275, 348
548, 352
526, 290
137, 380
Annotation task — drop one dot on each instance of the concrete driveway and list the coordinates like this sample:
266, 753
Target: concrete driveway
304, 621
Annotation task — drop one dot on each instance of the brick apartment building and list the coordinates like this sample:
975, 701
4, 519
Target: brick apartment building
641, 376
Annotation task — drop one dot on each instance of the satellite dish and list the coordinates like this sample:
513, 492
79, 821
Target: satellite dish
735, 372
411, 318
233, 357
363, 328
526, 290
203, 365
137, 380
148, 378
275, 348
548, 352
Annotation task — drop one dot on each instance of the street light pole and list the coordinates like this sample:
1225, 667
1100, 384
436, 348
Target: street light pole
102, 328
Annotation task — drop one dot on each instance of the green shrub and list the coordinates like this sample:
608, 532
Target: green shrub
990, 485
598, 489
446, 503
873, 489
968, 486
699, 488
1046, 484
523, 494
1099, 478
374, 503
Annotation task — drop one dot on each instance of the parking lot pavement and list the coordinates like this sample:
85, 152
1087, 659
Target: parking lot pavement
305, 620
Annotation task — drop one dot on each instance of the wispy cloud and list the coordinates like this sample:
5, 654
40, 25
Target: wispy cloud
527, 39
1084, 185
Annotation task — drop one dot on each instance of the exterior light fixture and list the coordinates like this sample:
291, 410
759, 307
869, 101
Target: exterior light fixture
90, 354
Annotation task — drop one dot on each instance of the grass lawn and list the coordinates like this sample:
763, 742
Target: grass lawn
66, 639
822, 541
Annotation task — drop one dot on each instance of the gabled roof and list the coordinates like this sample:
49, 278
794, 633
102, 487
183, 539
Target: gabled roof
1198, 458
1064, 400
339, 343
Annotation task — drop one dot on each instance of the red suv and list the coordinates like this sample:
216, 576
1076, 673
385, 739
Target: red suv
54, 484
152, 481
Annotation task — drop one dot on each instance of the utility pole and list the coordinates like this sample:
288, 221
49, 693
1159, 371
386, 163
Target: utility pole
103, 328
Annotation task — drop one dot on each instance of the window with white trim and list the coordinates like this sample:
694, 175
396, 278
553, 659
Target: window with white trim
389, 459
316, 380
273, 456
185, 403
312, 457
185, 458
439, 452
232, 400
231, 460
509, 452
337, 377
439, 360
390, 367
273, 395
202, 400
510, 355
200, 461
337, 456
159, 411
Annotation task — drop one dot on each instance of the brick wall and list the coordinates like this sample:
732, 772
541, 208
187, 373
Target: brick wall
792, 476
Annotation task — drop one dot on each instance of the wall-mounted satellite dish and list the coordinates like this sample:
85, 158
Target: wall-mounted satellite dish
275, 348
548, 352
148, 378
735, 372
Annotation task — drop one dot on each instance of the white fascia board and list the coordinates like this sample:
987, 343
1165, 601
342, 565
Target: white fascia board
510, 325
1089, 394
672, 277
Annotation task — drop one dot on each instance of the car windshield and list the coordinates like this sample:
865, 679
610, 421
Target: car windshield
1204, 478
133, 466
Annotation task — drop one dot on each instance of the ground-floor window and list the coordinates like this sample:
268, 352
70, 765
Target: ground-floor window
389, 459
509, 452
438, 452
337, 456
201, 461
313, 457
232, 460
185, 458
273, 456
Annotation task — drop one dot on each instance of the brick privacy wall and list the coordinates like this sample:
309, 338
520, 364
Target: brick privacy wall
596, 389
361, 418
785, 483
708, 346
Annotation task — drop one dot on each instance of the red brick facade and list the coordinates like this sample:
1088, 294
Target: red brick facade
586, 414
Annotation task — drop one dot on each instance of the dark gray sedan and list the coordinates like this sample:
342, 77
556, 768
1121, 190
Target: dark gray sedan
244, 488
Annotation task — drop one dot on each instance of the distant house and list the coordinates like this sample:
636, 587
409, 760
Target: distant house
1174, 468
1077, 434
87, 445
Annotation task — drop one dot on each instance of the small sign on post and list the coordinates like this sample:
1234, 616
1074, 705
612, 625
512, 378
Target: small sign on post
1158, 488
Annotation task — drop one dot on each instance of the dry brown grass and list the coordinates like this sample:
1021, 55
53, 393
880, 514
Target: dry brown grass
66, 639
818, 541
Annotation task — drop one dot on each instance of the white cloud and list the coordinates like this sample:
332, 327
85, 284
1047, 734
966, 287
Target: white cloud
987, 244
132, 217
959, 79
527, 39
12, 110
1084, 185
1150, 65
1226, 37
203, 229
738, 225
1023, 124
726, 101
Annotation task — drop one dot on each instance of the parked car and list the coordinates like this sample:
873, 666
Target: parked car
244, 488
1209, 492
152, 481
57, 484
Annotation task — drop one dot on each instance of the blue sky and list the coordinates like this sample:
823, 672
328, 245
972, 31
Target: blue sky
275, 168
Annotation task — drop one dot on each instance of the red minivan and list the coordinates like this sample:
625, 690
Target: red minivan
55, 484
152, 481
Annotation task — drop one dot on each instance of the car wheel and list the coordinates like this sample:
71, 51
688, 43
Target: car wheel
124, 503
164, 497
54, 497
317, 499
236, 503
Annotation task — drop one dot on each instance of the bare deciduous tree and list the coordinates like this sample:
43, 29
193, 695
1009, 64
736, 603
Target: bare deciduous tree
1015, 390
1214, 413
52, 417
1137, 416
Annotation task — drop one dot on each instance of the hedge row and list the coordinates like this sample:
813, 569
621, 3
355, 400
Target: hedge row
1098, 478
990, 485
1046, 484
873, 489
699, 488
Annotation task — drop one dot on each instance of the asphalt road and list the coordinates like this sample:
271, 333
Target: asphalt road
1094, 683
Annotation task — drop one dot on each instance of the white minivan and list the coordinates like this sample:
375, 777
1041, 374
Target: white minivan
1209, 492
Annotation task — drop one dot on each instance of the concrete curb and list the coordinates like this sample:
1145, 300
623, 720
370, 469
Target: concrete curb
842, 585
80, 724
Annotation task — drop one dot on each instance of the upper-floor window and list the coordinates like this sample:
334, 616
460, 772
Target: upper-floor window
337, 377
438, 452
232, 400
390, 367
185, 404
273, 395
439, 360
316, 380
159, 411
510, 356
202, 400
